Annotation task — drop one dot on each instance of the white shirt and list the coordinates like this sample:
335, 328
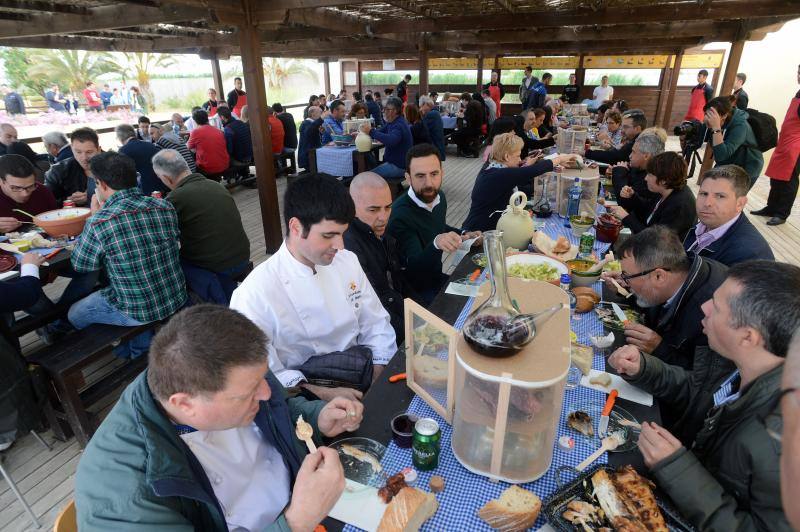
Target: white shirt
190, 124
602, 94
427, 206
306, 314
249, 477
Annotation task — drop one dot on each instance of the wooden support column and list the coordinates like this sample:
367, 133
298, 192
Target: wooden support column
249, 42
663, 88
423, 68
216, 74
478, 84
673, 88
580, 76
358, 77
326, 72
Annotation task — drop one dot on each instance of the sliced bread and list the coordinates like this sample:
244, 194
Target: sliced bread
408, 510
516, 509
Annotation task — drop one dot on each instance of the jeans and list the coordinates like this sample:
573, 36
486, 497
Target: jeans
80, 285
95, 308
390, 172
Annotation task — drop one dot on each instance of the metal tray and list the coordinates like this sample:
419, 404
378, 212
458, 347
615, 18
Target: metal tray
556, 503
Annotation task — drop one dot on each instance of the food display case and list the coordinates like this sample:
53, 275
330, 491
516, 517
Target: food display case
353, 125
576, 109
572, 139
590, 185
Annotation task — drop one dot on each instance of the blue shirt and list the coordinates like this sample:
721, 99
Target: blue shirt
396, 137
331, 124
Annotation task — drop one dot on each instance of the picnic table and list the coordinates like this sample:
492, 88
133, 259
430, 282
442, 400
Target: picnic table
466, 492
338, 160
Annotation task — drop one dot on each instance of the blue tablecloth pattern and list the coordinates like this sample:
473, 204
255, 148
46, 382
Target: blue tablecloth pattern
336, 161
449, 122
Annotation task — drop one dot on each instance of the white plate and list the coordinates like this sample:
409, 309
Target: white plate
533, 259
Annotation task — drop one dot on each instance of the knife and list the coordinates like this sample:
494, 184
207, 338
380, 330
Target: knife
603, 428
620, 314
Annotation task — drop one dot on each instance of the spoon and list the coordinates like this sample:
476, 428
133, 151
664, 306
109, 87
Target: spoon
609, 443
304, 431
23, 212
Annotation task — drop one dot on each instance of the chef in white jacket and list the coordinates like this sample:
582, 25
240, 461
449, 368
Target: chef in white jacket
312, 297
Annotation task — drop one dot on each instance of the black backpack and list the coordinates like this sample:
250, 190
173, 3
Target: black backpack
764, 128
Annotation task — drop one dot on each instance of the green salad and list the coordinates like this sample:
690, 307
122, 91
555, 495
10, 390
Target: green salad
535, 272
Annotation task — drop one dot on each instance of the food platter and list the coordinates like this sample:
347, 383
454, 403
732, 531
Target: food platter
361, 468
619, 420
532, 266
607, 317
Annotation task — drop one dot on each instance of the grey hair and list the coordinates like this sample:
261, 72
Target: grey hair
55, 138
394, 101
656, 247
768, 301
170, 162
426, 100
124, 132
650, 143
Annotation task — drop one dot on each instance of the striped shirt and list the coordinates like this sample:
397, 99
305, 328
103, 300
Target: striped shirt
729, 390
186, 153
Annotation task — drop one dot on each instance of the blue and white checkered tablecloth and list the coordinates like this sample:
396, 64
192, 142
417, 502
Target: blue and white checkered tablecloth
336, 161
554, 228
449, 122
466, 492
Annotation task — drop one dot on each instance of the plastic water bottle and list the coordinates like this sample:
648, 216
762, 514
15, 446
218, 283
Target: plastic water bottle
176, 129
574, 202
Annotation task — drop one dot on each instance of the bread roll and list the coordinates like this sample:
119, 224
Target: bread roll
408, 510
516, 509
429, 370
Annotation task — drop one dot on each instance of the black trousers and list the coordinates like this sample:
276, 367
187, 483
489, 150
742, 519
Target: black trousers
782, 194
465, 137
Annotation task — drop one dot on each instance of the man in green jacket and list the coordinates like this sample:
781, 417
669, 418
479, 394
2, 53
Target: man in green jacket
729, 480
418, 223
204, 439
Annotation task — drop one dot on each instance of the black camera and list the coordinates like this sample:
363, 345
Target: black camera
691, 133
688, 129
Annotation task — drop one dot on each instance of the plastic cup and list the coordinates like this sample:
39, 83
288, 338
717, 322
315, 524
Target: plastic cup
403, 429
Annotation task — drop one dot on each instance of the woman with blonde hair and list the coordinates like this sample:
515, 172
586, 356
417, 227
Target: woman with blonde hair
504, 172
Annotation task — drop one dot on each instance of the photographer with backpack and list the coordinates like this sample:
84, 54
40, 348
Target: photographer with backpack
732, 138
784, 166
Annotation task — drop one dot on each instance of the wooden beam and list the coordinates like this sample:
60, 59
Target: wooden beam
98, 18
663, 88
328, 19
44, 7
507, 5
262, 152
479, 82
673, 88
412, 7
423, 67
718, 10
358, 77
69, 42
216, 74
273, 5
731, 67
326, 69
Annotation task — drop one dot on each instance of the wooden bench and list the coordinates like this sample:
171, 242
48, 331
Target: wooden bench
58, 373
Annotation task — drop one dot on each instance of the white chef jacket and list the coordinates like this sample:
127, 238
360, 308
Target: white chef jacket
248, 475
306, 314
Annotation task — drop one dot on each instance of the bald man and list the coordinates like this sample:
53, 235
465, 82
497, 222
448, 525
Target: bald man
376, 251
10, 144
790, 410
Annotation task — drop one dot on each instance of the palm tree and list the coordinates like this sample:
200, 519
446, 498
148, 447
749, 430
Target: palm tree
278, 71
74, 67
140, 65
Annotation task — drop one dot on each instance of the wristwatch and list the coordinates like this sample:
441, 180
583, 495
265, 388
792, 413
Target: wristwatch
716, 131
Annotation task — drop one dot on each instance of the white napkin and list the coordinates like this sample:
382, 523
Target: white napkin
360, 506
458, 289
625, 389
451, 260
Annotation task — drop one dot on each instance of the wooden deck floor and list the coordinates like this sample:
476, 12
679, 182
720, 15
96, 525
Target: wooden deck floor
46, 477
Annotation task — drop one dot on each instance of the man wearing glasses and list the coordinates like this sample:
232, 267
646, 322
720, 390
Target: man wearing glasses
633, 123
729, 479
19, 190
396, 137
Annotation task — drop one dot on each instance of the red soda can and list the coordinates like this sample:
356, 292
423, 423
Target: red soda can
68, 204
157, 194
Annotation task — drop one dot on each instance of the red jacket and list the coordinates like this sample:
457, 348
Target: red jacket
211, 151
277, 133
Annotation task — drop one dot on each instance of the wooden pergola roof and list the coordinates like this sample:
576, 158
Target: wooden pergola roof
390, 28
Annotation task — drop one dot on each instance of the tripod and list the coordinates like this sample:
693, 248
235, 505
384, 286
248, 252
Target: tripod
692, 157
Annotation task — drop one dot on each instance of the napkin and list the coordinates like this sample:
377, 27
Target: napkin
451, 260
359, 505
625, 389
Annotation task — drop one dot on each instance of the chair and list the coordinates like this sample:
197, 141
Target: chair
67, 520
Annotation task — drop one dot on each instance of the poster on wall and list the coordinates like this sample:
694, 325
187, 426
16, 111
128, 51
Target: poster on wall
350, 78
388, 64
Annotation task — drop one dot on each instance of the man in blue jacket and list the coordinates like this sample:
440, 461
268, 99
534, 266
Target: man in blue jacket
724, 233
205, 439
433, 123
142, 154
310, 134
396, 137
374, 109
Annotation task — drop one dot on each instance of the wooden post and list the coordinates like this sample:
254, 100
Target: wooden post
249, 42
480, 72
326, 72
735, 55
358, 77
580, 76
673, 88
663, 87
423, 67
216, 74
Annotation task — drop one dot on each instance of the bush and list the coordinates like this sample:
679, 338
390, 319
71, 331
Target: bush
184, 102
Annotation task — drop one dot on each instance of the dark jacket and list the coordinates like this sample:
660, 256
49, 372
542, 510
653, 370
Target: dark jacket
380, 260
289, 130
14, 103
396, 137
142, 154
419, 133
677, 211
64, 154
475, 115
742, 99
613, 156
571, 92
67, 177
310, 139
137, 472
233, 98
492, 190
402, 89
238, 140
644, 200
730, 480
433, 123
741, 242
20, 148
415, 229
375, 112
739, 146
529, 143
679, 324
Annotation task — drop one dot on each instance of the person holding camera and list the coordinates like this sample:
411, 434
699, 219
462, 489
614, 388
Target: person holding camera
732, 138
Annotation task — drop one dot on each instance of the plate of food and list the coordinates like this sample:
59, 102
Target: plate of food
560, 248
535, 267
361, 460
583, 420
609, 319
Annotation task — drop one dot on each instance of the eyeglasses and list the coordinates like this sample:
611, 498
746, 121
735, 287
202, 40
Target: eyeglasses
29, 188
627, 277
772, 433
